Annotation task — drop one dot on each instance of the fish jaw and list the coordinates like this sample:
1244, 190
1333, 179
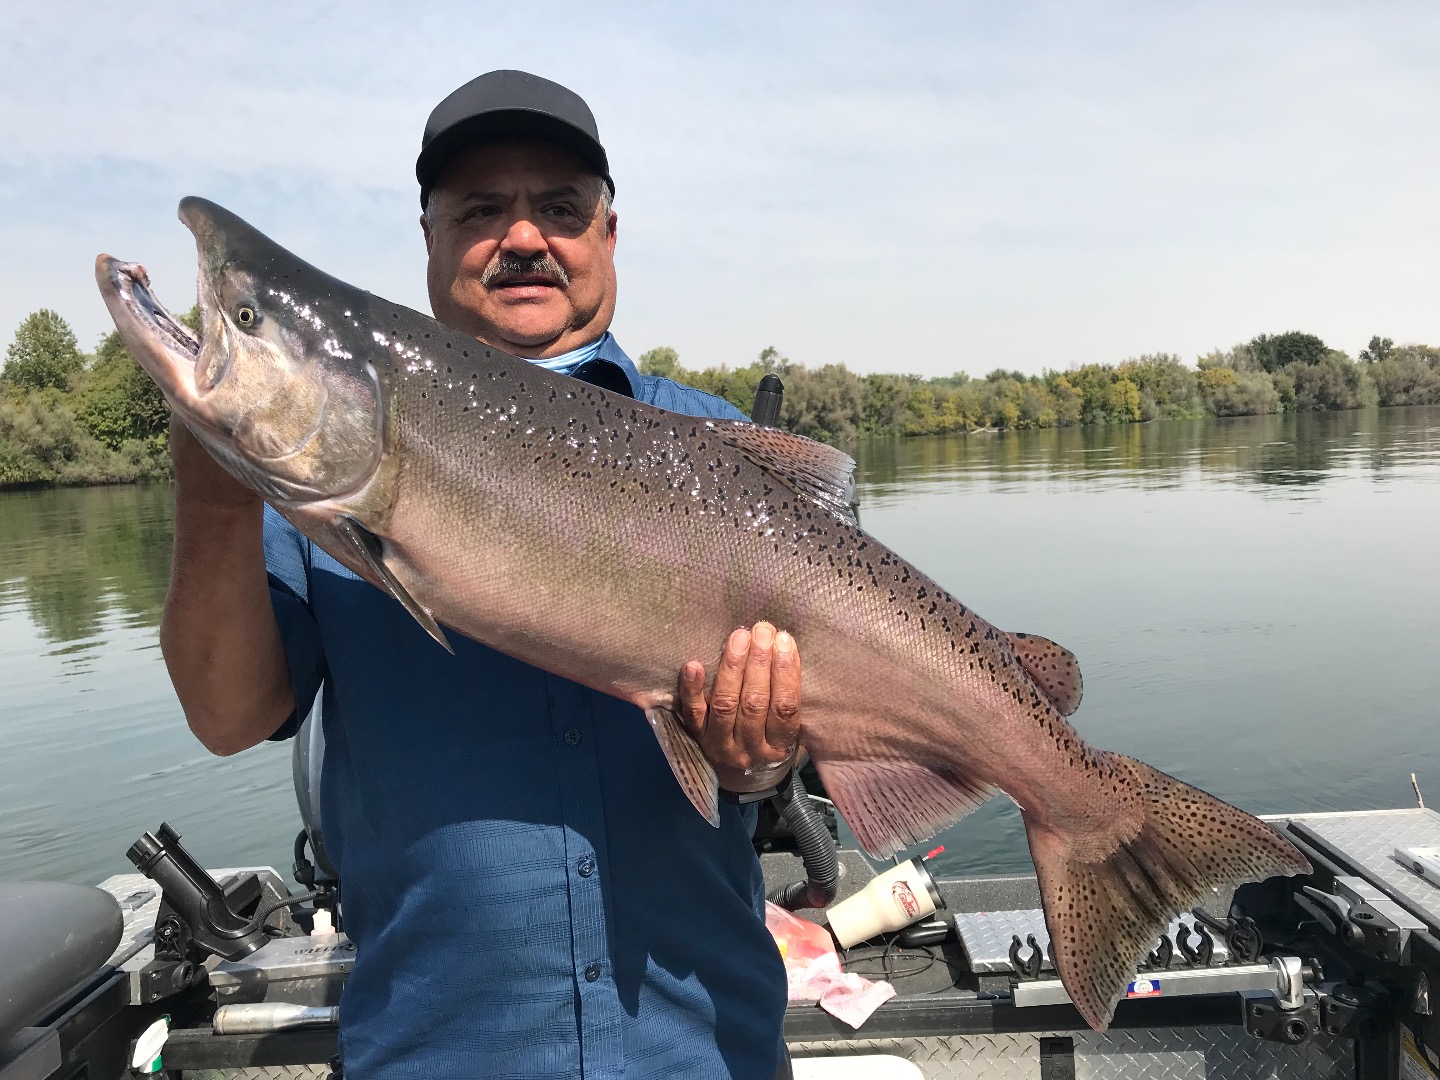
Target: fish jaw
164, 346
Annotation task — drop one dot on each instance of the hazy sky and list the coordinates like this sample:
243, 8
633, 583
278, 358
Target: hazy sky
898, 187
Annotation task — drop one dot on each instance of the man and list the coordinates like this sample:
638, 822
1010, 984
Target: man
530, 893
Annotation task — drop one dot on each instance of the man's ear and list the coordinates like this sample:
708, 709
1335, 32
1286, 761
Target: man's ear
612, 223
425, 228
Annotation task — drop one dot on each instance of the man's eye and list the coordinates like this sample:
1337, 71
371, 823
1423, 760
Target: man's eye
563, 212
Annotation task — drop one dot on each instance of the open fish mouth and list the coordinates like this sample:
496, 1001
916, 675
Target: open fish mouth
132, 284
163, 345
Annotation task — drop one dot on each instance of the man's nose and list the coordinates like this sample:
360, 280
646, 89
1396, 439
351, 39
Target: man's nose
523, 239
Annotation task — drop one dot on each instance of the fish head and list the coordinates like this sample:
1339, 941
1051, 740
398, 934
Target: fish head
274, 385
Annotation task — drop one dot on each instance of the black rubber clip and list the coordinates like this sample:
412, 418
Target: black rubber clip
1195, 955
1027, 967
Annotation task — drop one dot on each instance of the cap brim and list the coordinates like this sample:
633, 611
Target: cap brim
507, 123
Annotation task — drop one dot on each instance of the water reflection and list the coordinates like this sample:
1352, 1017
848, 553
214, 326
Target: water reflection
1287, 451
70, 557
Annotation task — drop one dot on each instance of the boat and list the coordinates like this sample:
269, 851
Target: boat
172, 968
1326, 976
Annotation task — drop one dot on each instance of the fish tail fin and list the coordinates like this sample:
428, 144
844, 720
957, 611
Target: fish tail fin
1104, 914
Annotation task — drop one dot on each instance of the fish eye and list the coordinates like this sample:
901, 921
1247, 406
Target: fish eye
245, 315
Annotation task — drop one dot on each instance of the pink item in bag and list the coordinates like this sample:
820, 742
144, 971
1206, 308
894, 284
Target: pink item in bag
812, 969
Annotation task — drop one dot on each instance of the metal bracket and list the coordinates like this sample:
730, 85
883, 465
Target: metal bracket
1354, 1012
1265, 1019
1362, 917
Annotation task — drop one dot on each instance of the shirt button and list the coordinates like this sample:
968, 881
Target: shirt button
587, 865
592, 972
573, 736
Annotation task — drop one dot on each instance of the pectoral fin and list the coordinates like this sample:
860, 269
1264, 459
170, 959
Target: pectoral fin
687, 762
370, 550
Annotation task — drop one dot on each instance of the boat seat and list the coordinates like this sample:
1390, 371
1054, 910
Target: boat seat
53, 938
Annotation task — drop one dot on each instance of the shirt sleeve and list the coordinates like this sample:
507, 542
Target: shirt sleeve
287, 567
668, 394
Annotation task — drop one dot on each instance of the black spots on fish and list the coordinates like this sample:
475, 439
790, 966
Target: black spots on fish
989, 633
466, 352
424, 394
921, 593
447, 370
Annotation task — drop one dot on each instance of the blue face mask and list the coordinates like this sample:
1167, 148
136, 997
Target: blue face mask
566, 363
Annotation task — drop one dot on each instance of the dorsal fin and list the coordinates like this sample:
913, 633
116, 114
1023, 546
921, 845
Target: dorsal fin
1053, 667
820, 473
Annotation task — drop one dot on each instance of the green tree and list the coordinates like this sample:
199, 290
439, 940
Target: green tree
1378, 349
1333, 382
772, 360
43, 353
117, 401
1281, 350
661, 360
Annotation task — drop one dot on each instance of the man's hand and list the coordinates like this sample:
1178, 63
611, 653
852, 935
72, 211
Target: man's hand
750, 726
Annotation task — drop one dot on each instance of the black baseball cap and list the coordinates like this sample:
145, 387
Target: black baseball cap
502, 103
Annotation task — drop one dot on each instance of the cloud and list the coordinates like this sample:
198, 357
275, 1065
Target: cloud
928, 187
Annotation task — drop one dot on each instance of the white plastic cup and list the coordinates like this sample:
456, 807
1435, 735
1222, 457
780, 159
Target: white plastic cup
902, 895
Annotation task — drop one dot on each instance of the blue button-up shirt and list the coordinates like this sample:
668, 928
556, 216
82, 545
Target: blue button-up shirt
529, 892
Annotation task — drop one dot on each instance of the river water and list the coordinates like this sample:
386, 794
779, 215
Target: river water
1255, 604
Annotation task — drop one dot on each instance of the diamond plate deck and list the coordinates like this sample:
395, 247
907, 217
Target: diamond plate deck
985, 937
1210, 1053
1368, 839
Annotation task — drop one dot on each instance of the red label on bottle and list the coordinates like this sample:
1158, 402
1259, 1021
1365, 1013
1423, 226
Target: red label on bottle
905, 899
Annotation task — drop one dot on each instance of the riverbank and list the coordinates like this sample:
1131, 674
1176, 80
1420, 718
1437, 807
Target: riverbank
74, 419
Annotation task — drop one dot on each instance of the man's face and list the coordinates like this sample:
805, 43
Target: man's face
521, 256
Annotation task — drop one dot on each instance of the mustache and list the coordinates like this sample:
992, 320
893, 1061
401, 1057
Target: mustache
545, 266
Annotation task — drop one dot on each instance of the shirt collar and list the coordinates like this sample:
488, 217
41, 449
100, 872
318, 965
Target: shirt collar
610, 368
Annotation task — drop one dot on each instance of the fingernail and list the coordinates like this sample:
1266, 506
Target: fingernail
763, 635
784, 642
739, 640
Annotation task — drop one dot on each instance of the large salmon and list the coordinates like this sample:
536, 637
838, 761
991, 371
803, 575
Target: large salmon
611, 542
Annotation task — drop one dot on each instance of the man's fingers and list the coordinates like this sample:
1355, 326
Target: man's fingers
692, 698
755, 695
782, 726
725, 694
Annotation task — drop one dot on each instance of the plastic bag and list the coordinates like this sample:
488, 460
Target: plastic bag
812, 969
800, 940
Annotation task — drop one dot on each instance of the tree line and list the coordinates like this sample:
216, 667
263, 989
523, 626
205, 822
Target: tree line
1291, 372
70, 417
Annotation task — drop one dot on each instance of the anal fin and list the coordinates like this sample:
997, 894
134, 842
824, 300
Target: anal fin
688, 763
1053, 667
892, 804
369, 550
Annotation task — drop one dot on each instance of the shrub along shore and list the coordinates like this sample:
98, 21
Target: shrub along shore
69, 417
